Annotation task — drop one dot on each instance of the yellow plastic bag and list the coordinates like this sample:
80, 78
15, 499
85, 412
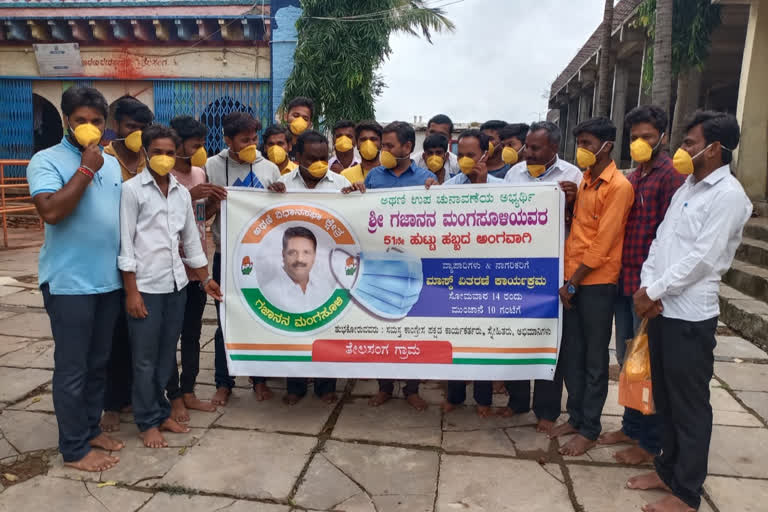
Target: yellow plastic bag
635, 390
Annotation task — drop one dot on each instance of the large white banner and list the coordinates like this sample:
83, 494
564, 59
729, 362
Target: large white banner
455, 282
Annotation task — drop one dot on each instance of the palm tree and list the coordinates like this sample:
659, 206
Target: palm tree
603, 108
341, 45
661, 92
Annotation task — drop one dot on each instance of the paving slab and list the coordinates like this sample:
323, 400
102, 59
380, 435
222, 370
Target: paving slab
743, 376
32, 325
306, 417
142, 467
527, 441
736, 419
491, 442
38, 403
394, 422
601, 489
737, 347
737, 493
722, 400
756, 400
29, 431
480, 484
15, 383
129, 434
164, 502
219, 461
8, 290
465, 418
7, 314
736, 451
6, 450
599, 453
207, 360
326, 487
47, 493
209, 313
11, 343
28, 298
37, 354
395, 479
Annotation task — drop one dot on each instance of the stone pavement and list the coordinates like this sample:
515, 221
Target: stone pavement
266, 457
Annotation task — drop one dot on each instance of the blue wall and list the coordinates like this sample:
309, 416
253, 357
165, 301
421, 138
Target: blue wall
284, 37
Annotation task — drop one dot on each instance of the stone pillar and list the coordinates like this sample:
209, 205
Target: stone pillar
563, 124
752, 109
570, 140
284, 38
643, 96
619, 106
585, 105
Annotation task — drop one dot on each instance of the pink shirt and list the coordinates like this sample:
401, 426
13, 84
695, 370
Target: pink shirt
190, 180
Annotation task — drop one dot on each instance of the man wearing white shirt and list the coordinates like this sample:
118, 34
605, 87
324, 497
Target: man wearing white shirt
694, 246
443, 125
155, 217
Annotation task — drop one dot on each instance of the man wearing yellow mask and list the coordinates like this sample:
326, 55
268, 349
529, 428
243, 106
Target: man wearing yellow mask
368, 136
496, 165
655, 181
240, 164
156, 218
435, 153
512, 143
440, 124
76, 190
694, 246
298, 116
344, 154
131, 117
276, 145
592, 267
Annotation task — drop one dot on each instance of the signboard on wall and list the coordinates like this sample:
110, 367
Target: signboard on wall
59, 59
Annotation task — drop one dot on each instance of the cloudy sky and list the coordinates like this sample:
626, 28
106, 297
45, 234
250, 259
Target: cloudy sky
498, 63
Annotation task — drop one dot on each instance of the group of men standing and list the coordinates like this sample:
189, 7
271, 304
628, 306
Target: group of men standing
124, 271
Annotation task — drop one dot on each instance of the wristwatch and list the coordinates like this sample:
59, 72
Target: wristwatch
571, 288
203, 284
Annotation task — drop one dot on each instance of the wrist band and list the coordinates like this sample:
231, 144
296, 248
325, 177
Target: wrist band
85, 170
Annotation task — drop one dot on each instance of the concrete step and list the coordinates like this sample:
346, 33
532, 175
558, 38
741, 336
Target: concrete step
749, 279
757, 228
744, 314
753, 251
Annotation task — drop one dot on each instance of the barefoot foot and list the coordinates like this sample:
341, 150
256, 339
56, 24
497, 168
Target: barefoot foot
221, 397
262, 391
110, 422
646, 482
329, 398
545, 426
194, 403
94, 461
291, 399
153, 438
179, 411
668, 504
577, 445
484, 411
447, 407
380, 398
105, 442
172, 425
616, 437
561, 430
417, 402
634, 456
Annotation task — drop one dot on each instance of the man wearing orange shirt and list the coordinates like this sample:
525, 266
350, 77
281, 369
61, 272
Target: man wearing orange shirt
592, 265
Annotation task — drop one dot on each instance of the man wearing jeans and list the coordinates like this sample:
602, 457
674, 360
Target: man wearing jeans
655, 182
76, 190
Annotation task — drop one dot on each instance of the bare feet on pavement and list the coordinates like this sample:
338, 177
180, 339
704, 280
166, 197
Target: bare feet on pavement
668, 504
221, 397
647, 481
262, 391
110, 421
615, 437
172, 425
153, 438
380, 398
633, 456
417, 402
329, 398
562, 429
447, 407
577, 445
194, 403
105, 442
179, 411
545, 426
291, 399
94, 461
484, 411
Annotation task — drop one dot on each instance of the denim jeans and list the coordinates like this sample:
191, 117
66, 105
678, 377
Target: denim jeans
82, 327
388, 386
298, 386
547, 395
645, 429
190, 343
119, 370
153, 344
456, 392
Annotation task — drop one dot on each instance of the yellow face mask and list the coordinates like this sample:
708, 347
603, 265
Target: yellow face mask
491, 149
466, 164
298, 126
536, 170
435, 163
343, 144
683, 161
276, 154
585, 158
199, 157
368, 150
318, 169
162, 164
86, 134
641, 151
510, 155
248, 154
388, 160
133, 141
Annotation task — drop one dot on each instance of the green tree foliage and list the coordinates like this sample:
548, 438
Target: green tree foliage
692, 25
341, 45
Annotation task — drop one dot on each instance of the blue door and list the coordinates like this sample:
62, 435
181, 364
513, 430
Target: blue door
16, 123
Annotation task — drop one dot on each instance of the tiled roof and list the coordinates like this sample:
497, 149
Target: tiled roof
621, 13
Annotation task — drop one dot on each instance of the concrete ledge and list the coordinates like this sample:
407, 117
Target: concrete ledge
744, 314
749, 279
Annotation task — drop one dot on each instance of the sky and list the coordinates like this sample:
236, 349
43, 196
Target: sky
498, 64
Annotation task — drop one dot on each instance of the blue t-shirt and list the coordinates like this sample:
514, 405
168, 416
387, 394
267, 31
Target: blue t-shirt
500, 172
79, 255
381, 177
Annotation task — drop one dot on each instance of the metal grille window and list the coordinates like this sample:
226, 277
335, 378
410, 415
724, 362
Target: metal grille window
16, 126
210, 102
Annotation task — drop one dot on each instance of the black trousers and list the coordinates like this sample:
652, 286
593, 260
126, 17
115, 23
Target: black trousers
682, 363
190, 343
482, 392
120, 370
584, 355
388, 386
547, 395
298, 386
